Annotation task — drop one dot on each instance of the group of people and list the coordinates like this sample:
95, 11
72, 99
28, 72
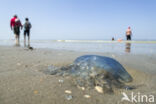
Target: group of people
16, 26
128, 34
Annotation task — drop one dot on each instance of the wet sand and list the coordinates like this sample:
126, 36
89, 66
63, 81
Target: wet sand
22, 80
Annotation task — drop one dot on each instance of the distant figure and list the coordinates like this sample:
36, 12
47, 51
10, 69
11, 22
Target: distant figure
27, 27
112, 38
128, 33
15, 25
120, 40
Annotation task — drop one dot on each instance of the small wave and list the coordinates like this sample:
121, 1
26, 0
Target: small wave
105, 41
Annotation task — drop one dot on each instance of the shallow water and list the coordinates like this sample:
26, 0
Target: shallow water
133, 47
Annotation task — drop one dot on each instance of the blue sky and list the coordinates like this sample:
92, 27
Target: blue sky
81, 19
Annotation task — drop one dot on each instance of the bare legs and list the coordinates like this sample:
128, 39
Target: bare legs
17, 37
25, 41
28, 41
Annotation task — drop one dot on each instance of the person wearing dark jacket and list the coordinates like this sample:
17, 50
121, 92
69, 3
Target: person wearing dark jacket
27, 26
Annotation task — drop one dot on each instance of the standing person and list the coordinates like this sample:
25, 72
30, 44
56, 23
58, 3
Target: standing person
113, 39
128, 33
27, 27
15, 25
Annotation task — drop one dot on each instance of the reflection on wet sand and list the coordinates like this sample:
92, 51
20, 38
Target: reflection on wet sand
128, 47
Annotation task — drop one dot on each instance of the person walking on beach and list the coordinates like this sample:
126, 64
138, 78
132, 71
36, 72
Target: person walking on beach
15, 25
128, 33
27, 27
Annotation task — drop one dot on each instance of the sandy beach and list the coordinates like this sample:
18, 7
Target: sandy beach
22, 80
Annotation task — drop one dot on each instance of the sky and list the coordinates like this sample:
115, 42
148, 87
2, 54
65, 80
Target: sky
81, 19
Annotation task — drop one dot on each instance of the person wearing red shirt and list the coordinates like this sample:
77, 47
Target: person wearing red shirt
15, 25
12, 21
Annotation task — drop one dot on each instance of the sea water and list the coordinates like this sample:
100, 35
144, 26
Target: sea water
133, 47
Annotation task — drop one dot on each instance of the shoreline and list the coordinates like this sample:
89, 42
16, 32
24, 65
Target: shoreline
93, 47
23, 82
85, 41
